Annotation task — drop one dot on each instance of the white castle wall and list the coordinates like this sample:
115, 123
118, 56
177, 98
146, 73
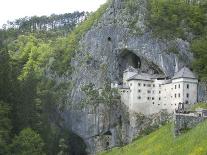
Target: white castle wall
151, 96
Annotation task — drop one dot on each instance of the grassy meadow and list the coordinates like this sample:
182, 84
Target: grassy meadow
163, 142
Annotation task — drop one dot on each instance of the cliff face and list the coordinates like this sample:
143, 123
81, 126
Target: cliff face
120, 38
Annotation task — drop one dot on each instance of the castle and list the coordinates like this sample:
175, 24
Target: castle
148, 94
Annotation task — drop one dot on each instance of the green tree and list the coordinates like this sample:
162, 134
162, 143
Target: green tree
199, 47
5, 127
63, 147
27, 142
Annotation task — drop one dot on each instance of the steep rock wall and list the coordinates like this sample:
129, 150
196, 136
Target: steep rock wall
100, 57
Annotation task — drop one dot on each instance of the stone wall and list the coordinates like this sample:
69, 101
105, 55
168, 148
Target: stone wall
183, 122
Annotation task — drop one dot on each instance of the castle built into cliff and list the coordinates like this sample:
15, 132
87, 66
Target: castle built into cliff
149, 94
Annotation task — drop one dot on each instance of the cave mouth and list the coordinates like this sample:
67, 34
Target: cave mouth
76, 145
128, 58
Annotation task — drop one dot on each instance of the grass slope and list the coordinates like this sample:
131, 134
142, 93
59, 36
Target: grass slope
162, 142
199, 105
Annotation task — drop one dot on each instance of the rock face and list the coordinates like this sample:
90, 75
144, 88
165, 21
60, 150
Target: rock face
103, 54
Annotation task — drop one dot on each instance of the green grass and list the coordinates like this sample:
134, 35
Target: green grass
199, 105
163, 142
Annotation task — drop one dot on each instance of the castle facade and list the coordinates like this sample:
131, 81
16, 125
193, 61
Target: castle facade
148, 94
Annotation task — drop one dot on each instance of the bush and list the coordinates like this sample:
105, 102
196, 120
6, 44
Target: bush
28, 142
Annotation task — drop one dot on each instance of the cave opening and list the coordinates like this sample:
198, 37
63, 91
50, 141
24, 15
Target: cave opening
128, 58
109, 38
76, 145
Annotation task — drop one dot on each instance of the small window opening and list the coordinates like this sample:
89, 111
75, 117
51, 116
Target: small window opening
107, 144
109, 38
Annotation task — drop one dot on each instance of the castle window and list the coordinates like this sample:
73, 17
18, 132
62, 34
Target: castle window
148, 91
139, 90
179, 95
175, 104
123, 91
153, 98
179, 86
144, 85
158, 104
175, 86
187, 95
175, 95
148, 98
139, 84
153, 103
139, 97
153, 85
149, 85
159, 98
159, 92
159, 85
187, 86
130, 84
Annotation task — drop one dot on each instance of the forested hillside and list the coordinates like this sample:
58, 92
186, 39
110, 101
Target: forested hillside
35, 53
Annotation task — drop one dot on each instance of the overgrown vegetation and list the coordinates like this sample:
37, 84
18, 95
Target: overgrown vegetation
178, 18
199, 105
34, 55
163, 141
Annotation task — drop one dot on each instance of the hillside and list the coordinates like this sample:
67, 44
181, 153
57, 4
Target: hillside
163, 142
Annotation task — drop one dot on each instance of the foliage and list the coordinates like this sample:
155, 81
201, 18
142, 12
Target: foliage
199, 105
199, 48
33, 51
45, 26
31, 54
131, 6
108, 94
27, 142
163, 141
91, 95
5, 127
176, 18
